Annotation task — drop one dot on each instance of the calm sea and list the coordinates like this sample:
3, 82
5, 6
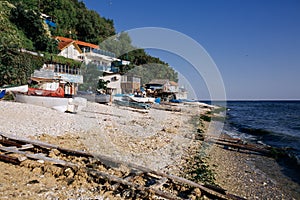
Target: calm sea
275, 123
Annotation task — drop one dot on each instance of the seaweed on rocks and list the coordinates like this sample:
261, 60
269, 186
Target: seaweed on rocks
196, 167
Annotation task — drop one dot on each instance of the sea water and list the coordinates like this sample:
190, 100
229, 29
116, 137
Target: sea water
275, 123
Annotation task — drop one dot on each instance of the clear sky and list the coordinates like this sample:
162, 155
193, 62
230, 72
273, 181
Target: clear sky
254, 43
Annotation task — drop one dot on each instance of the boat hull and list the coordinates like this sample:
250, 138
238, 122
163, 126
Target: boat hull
140, 99
22, 88
2, 94
57, 103
132, 104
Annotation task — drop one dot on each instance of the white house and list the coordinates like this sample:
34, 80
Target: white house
114, 82
70, 50
87, 52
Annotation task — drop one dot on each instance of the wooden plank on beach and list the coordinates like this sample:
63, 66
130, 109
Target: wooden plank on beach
134, 186
9, 159
159, 183
12, 138
38, 157
108, 162
128, 178
236, 145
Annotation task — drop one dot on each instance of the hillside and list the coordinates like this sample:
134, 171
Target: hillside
21, 26
9, 33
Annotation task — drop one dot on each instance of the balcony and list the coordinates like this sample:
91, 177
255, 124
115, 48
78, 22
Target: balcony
100, 52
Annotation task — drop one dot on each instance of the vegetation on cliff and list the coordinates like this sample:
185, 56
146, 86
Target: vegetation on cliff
21, 26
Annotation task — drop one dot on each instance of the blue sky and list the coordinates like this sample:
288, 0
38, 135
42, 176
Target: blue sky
254, 43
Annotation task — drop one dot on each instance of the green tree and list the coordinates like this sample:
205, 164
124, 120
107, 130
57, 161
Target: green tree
31, 24
102, 84
16, 67
152, 71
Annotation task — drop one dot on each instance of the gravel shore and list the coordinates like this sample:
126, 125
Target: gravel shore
160, 140
251, 176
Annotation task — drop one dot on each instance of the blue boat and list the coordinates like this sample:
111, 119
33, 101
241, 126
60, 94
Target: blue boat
132, 104
2, 94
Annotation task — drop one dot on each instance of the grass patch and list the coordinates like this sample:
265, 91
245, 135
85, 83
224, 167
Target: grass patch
205, 117
200, 171
219, 110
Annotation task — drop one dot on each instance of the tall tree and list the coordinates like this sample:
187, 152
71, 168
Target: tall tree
30, 22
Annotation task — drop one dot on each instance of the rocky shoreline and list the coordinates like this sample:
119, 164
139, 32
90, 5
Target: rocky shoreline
161, 140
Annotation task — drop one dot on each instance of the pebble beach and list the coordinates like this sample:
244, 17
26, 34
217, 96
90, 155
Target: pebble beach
160, 140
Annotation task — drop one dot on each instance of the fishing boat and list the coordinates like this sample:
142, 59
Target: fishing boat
59, 92
99, 98
132, 104
139, 99
21, 88
72, 105
2, 93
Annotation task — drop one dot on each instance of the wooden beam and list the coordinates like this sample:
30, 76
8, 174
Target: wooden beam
39, 157
9, 159
133, 185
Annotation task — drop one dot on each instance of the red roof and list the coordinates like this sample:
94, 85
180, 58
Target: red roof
87, 44
65, 41
173, 83
63, 44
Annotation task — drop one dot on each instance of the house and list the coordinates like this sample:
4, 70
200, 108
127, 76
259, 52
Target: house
121, 84
69, 49
87, 52
130, 83
165, 89
173, 87
114, 82
161, 84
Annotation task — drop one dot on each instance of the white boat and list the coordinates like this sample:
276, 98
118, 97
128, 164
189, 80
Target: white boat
140, 99
21, 88
72, 105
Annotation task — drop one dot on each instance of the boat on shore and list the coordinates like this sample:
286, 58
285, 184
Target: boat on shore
2, 93
99, 98
21, 88
59, 92
72, 105
132, 104
139, 99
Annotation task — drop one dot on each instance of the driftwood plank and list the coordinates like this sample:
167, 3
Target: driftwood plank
249, 147
134, 186
10, 159
26, 147
113, 162
236, 143
8, 139
172, 177
39, 157
128, 178
159, 183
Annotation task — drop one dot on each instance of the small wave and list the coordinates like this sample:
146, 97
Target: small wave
296, 128
255, 131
